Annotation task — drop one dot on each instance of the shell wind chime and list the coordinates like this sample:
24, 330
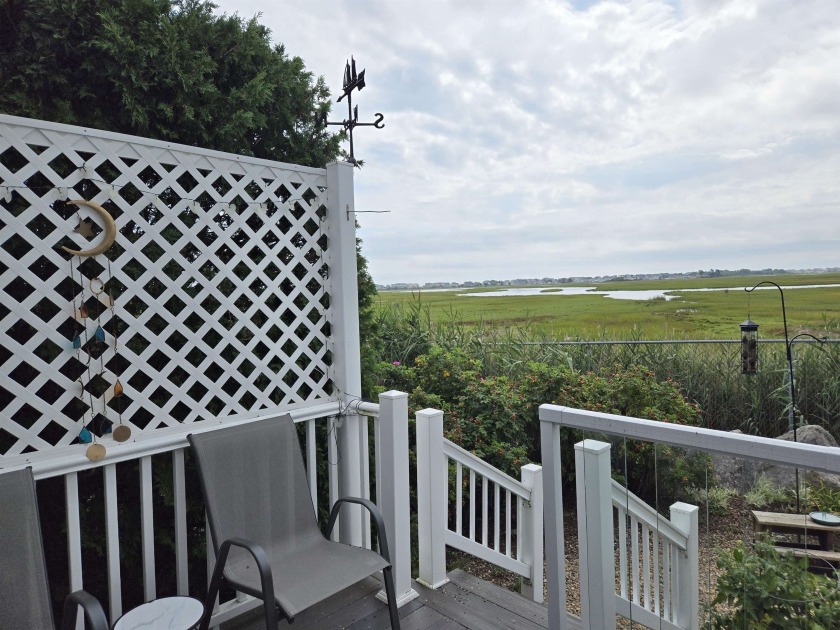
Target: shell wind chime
103, 297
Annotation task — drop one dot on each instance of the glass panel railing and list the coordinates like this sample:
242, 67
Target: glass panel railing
775, 566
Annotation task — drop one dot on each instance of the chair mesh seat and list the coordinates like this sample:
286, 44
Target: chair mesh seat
306, 575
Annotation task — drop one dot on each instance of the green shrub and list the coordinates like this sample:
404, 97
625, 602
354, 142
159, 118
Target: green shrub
824, 498
497, 417
762, 589
715, 498
765, 493
708, 374
657, 473
489, 423
446, 373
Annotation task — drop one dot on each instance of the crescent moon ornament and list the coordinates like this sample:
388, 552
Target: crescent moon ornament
107, 222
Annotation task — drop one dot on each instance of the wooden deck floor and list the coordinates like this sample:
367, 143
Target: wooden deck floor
465, 602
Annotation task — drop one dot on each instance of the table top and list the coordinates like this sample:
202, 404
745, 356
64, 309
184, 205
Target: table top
168, 613
778, 519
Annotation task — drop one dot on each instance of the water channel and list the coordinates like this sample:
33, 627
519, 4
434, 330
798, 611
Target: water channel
624, 295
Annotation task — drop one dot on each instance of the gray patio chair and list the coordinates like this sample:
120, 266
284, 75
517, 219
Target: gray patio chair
264, 528
24, 591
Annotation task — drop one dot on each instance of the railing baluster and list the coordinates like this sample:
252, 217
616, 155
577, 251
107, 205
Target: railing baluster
507, 523
332, 471
657, 607
622, 551
364, 481
74, 538
147, 526
634, 557
484, 510
459, 508
646, 551
472, 504
496, 509
675, 580
667, 580
180, 499
447, 462
112, 536
311, 463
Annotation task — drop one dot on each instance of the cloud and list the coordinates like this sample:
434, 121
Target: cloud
546, 138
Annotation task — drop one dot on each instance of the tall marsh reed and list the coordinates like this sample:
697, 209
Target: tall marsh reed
707, 373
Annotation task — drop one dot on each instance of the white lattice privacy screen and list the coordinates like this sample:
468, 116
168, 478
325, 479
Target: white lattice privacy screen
213, 300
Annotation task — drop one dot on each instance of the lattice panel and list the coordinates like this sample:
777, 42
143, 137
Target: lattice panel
213, 300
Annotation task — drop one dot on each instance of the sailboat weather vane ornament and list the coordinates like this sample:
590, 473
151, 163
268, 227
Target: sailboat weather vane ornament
353, 81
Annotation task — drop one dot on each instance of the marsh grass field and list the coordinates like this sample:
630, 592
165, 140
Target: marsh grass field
688, 315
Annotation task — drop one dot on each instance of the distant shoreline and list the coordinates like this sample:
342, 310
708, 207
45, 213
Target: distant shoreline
581, 280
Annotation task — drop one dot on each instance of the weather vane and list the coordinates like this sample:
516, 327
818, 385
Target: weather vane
353, 81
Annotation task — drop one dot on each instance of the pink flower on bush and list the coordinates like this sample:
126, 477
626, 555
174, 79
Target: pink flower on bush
395, 363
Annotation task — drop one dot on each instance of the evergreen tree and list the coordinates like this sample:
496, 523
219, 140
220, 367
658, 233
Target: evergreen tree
164, 69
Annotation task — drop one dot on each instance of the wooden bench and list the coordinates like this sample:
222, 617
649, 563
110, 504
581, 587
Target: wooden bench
796, 524
819, 559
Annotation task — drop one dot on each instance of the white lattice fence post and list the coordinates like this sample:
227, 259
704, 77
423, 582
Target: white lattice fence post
685, 517
392, 488
595, 534
531, 532
344, 303
432, 477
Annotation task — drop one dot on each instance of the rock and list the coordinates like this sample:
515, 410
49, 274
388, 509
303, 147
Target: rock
741, 474
785, 477
734, 472
811, 434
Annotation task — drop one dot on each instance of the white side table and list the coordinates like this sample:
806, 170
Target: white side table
168, 613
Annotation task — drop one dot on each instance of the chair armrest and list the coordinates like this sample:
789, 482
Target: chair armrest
91, 607
264, 568
260, 557
377, 517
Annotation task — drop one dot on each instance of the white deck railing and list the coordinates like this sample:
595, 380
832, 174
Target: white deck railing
391, 484
600, 613
502, 526
658, 559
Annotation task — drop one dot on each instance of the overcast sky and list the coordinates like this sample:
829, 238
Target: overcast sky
532, 138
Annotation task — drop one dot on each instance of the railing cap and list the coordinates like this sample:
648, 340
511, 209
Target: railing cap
595, 447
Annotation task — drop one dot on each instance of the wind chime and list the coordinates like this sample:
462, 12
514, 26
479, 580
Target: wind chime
84, 342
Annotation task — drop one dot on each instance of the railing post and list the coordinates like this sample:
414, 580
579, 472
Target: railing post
685, 517
531, 532
554, 544
346, 366
595, 534
392, 488
432, 477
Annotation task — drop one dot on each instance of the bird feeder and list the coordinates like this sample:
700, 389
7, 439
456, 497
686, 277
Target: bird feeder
749, 347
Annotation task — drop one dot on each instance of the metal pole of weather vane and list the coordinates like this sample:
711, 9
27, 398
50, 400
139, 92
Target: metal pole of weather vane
353, 81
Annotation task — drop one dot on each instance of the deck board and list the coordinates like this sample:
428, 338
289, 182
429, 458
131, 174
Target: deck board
466, 602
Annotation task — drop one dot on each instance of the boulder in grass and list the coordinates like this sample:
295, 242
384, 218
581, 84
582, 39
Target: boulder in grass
785, 477
741, 474
737, 473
